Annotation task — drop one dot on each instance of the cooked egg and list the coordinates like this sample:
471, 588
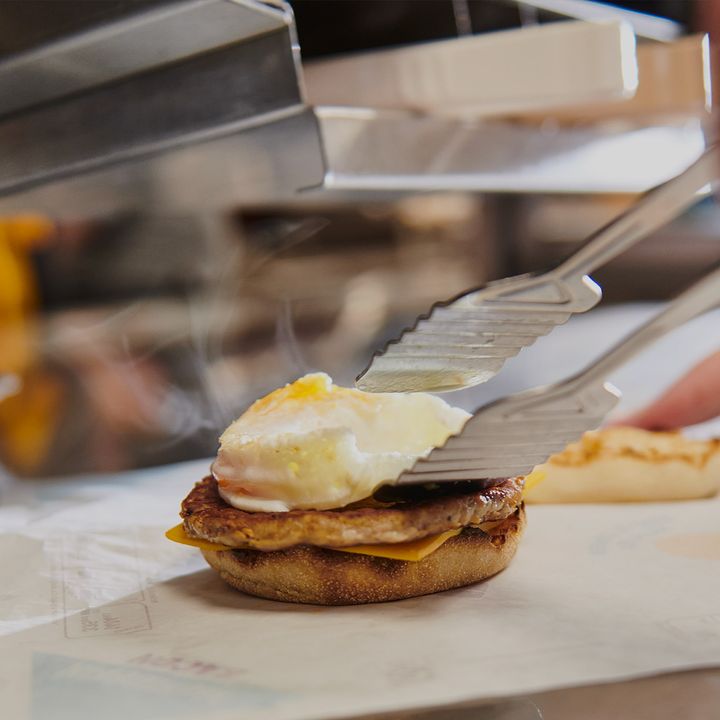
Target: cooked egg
314, 445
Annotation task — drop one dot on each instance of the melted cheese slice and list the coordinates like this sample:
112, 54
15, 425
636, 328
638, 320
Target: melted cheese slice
413, 551
177, 534
533, 480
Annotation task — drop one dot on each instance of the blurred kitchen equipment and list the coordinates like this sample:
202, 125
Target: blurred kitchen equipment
553, 65
466, 341
514, 434
161, 98
174, 148
199, 106
649, 27
673, 81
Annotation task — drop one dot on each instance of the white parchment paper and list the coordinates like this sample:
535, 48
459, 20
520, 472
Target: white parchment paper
104, 617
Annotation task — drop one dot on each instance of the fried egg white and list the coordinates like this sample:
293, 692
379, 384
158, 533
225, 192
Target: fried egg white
314, 445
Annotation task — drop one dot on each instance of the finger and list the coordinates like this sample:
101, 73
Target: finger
693, 399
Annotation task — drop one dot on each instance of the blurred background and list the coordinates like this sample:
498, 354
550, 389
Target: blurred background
200, 201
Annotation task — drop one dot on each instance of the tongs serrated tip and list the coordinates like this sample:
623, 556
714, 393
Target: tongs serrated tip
466, 341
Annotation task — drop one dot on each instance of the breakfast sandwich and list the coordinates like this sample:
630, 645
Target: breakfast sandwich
300, 505
624, 464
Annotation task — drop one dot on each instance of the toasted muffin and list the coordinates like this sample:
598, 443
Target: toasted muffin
325, 576
622, 464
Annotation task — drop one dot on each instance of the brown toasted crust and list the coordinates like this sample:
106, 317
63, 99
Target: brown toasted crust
628, 443
320, 576
622, 464
206, 515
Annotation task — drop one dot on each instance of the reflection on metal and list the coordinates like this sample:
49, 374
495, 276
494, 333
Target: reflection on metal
229, 121
674, 82
169, 121
368, 150
365, 152
269, 161
529, 69
230, 88
143, 40
649, 27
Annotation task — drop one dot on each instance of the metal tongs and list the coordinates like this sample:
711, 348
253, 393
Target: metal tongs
466, 341
512, 435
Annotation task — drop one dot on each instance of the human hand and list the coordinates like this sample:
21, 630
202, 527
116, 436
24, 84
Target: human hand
693, 399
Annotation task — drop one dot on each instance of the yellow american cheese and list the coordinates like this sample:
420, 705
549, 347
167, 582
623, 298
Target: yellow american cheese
177, 534
413, 551
533, 479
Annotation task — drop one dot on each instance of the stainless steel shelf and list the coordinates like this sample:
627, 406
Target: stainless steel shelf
371, 151
199, 105
146, 39
212, 174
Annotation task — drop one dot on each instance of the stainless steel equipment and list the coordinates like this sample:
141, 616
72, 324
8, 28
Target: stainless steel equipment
188, 99
514, 434
198, 105
466, 341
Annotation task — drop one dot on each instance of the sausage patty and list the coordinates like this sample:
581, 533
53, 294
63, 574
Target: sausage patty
206, 515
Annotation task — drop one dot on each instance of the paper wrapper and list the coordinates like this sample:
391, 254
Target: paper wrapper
101, 616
